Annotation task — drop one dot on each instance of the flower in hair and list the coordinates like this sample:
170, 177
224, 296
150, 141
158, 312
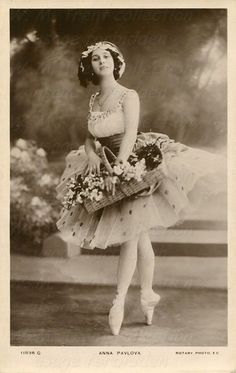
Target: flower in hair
103, 45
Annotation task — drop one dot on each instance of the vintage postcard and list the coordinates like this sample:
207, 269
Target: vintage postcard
118, 186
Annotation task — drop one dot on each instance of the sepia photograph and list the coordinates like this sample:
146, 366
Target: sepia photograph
118, 177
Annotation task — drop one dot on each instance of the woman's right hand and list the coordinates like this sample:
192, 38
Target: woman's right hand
94, 162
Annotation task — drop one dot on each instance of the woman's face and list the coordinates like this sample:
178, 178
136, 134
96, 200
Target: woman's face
102, 62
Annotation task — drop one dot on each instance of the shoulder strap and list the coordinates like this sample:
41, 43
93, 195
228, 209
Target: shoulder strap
123, 95
119, 103
91, 101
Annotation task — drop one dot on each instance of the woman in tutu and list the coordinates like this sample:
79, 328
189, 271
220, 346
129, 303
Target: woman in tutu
190, 176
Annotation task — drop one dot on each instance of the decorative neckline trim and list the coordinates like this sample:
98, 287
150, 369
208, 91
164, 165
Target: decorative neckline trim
119, 103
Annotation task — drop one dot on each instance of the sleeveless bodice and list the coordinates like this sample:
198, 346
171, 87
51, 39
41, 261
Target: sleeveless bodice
108, 126
109, 122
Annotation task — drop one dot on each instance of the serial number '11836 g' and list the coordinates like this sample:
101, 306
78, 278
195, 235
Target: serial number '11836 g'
30, 353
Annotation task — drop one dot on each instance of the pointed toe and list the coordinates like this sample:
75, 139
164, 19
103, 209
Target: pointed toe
116, 316
148, 305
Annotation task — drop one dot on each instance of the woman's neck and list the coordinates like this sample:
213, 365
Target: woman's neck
107, 83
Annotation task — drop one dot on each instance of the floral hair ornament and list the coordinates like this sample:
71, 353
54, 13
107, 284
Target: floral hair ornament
104, 45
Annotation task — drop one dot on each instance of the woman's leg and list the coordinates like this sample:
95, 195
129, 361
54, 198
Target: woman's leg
146, 262
126, 268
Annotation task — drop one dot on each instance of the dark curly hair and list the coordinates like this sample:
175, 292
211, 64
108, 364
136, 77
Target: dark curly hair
86, 75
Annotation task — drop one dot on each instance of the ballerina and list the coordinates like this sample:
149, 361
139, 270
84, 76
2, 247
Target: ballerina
192, 175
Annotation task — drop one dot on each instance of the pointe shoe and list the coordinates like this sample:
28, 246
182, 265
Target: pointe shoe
148, 304
116, 316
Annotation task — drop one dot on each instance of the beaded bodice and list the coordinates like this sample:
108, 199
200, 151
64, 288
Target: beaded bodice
109, 122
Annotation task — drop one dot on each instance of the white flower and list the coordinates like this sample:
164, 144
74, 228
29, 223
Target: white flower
39, 213
91, 48
41, 152
35, 201
118, 170
25, 156
95, 195
100, 45
21, 144
32, 36
14, 46
17, 188
138, 175
99, 196
15, 152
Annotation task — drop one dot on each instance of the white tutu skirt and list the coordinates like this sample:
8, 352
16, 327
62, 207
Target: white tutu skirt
192, 176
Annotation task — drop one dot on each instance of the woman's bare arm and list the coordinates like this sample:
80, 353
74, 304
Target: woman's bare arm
89, 144
131, 106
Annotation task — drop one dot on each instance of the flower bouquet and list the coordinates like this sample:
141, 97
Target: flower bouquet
85, 187
142, 172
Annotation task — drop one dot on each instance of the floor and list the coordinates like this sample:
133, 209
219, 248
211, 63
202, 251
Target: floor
54, 314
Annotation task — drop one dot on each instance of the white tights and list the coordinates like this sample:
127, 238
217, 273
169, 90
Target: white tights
138, 250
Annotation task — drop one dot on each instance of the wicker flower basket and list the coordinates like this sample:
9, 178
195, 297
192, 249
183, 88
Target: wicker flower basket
123, 189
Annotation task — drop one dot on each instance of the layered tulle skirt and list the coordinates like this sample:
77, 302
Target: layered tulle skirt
192, 176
